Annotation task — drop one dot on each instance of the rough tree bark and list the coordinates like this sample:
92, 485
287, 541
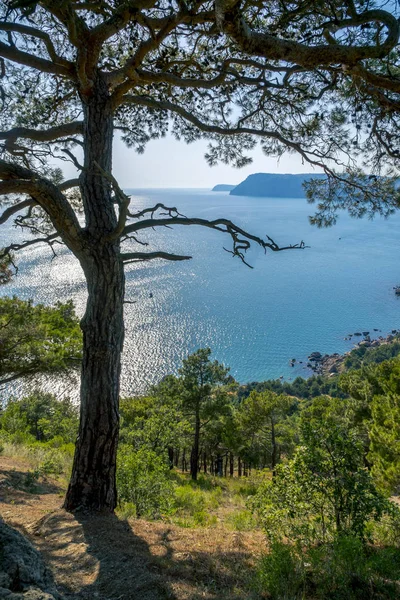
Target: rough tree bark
93, 474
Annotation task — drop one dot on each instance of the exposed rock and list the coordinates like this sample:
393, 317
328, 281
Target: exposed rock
315, 356
23, 574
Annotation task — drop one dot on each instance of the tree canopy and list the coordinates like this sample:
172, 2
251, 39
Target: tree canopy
74, 73
37, 339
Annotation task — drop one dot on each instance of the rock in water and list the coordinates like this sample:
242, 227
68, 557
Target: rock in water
23, 574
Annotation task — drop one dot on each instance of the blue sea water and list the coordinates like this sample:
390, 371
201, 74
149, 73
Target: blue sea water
255, 320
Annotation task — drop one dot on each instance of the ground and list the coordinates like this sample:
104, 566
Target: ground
107, 558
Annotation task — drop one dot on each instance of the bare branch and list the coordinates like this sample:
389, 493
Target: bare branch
11, 210
68, 184
50, 239
73, 158
130, 257
241, 239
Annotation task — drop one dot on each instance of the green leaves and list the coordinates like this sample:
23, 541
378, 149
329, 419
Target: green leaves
325, 490
37, 339
41, 416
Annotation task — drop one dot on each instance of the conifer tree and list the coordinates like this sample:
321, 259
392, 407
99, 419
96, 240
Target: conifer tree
74, 73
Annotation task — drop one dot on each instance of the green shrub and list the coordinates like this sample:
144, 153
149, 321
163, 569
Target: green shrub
192, 506
386, 532
325, 490
53, 464
339, 571
241, 520
346, 569
281, 573
143, 480
188, 499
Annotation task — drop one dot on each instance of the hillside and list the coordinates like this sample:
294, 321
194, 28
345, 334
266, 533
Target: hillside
223, 187
274, 185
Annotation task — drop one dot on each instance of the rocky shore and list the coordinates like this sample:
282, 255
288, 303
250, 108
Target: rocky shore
331, 364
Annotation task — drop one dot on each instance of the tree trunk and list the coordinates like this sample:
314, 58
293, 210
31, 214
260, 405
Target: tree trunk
274, 454
231, 464
184, 460
219, 465
194, 456
205, 462
92, 484
239, 467
171, 457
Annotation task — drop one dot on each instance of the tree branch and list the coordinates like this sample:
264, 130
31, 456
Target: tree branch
241, 238
68, 184
230, 20
33, 32
7, 250
130, 257
43, 135
126, 12
30, 60
191, 118
17, 179
11, 210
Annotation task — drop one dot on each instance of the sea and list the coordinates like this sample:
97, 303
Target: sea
255, 320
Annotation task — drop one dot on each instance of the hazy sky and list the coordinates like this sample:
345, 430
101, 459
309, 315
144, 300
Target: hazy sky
169, 163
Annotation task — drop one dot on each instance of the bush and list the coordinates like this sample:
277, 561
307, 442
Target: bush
325, 490
143, 480
345, 569
241, 520
339, 571
281, 573
191, 506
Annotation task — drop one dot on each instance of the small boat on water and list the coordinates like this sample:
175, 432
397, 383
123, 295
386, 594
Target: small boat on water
397, 290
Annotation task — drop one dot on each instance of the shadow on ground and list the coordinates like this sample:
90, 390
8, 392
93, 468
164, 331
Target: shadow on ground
22, 483
107, 558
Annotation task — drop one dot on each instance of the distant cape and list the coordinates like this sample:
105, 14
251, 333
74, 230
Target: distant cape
223, 187
274, 185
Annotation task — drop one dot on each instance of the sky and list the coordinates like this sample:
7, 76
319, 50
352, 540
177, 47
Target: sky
167, 163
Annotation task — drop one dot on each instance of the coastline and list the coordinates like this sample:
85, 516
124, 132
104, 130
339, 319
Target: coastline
330, 365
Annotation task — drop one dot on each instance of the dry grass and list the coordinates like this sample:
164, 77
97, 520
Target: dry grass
107, 558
